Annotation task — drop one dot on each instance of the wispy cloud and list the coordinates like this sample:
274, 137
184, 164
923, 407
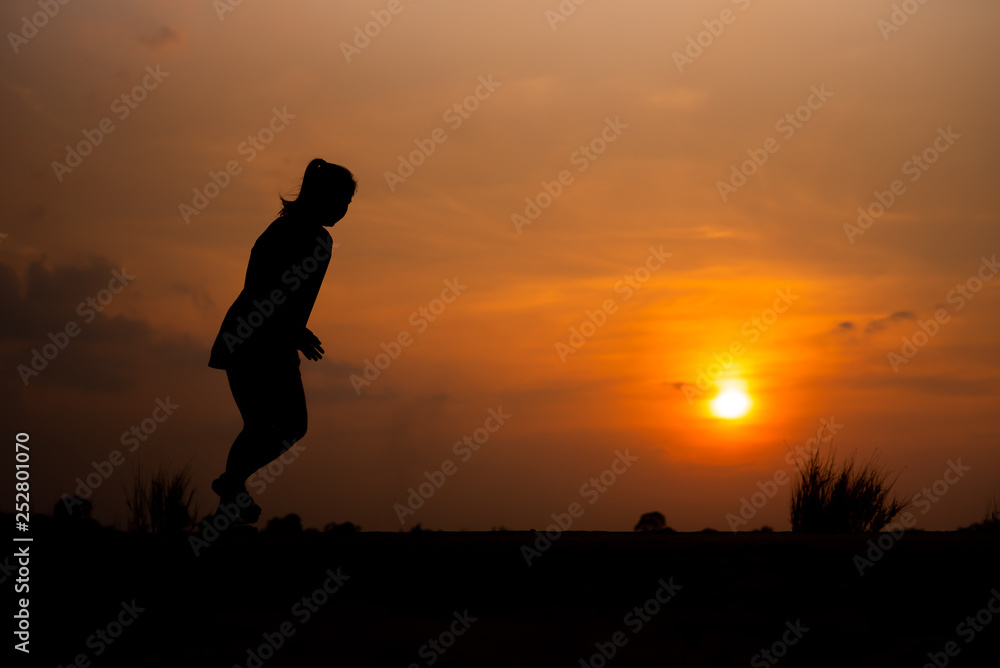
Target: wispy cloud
161, 37
882, 323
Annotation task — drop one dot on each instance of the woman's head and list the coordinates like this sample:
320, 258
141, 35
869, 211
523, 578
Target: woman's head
325, 193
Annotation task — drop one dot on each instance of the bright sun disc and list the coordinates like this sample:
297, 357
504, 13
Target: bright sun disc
731, 404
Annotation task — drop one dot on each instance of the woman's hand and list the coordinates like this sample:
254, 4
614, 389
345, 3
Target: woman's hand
310, 345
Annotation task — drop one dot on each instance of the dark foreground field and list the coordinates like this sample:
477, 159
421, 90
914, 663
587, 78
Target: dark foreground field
469, 599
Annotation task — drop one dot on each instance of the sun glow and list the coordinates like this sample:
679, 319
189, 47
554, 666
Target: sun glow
731, 402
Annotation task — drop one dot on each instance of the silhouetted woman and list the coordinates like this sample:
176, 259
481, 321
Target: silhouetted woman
265, 327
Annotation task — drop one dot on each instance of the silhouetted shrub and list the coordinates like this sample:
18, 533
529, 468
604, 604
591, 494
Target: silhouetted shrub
993, 514
418, 528
73, 513
654, 521
852, 499
991, 522
72, 509
164, 504
290, 523
345, 527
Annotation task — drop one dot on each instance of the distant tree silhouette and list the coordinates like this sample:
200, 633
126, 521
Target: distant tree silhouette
290, 523
852, 499
164, 504
654, 521
74, 514
81, 509
345, 527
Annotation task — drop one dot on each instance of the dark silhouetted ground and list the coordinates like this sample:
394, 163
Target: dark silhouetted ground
404, 589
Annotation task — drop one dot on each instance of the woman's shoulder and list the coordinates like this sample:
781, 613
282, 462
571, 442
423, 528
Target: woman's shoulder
288, 233
277, 234
295, 225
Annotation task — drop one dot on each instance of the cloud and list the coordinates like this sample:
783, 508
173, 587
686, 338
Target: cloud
940, 385
161, 37
107, 353
199, 296
882, 323
50, 297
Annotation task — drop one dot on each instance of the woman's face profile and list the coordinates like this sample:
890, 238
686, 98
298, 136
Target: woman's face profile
335, 210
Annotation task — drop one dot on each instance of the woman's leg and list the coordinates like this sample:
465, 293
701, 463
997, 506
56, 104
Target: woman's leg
271, 401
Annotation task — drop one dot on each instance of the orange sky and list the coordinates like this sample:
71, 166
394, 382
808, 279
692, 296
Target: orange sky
673, 128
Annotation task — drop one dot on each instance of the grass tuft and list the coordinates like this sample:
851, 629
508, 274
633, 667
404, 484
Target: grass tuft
854, 498
163, 504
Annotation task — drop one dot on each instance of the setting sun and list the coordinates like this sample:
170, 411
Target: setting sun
731, 403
